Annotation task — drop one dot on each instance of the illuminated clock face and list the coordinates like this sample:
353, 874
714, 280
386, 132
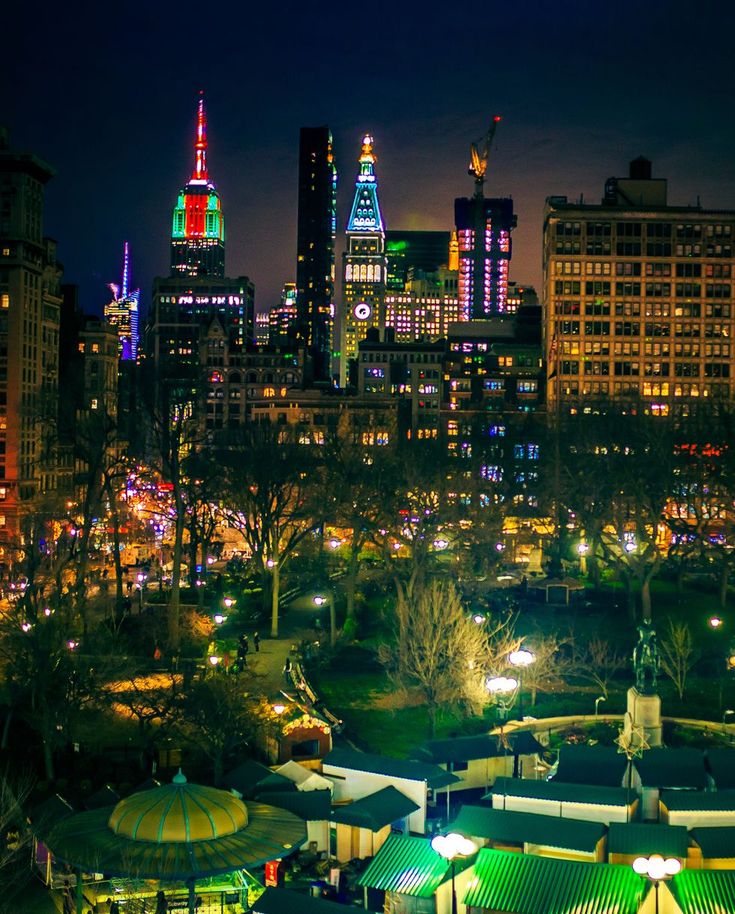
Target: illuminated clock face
362, 311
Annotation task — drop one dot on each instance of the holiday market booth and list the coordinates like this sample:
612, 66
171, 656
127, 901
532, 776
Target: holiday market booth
192, 844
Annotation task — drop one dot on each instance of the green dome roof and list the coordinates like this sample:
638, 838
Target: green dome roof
177, 813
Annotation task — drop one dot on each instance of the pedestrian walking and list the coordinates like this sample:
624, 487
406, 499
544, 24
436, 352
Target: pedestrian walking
161, 903
114, 906
129, 587
256, 641
287, 669
244, 644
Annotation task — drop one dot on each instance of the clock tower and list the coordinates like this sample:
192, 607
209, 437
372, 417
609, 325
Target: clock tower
365, 265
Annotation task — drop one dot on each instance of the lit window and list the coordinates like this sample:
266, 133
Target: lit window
93, 403
4, 300
95, 347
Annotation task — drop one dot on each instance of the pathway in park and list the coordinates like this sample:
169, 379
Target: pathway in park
295, 625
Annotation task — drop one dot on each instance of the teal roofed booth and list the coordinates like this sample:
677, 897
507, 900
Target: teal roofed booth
180, 831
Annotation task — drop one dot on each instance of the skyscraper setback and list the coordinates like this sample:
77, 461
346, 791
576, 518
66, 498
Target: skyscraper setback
317, 223
198, 229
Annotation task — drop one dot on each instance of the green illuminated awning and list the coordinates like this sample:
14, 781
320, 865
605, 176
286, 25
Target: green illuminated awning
508, 826
523, 884
704, 891
640, 839
408, 866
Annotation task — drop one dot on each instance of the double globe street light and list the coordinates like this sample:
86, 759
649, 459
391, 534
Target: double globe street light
521, 660
451, 847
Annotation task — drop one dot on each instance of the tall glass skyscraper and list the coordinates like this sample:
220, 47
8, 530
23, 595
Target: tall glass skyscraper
317, 222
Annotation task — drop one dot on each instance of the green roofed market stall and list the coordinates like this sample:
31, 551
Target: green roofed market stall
508, 883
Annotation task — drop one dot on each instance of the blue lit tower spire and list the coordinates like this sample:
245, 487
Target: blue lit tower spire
123, 312
364, 262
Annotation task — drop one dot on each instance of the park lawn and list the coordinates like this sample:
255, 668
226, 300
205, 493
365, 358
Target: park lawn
399, 732
342, 689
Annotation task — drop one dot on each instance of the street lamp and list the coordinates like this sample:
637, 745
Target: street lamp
582, 550
502, 687
657, 868
141, 587
450, 847
320, 600
715, 622
228, 602
597, 703
521, 659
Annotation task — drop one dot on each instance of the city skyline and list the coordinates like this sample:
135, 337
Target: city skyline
570, 119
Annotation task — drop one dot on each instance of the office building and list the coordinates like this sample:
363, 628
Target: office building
484, 227
317, 223
364, 262
283, 320
198, 229
123, 312
425, 308
639, 296
182, 309
30, 303
413, 250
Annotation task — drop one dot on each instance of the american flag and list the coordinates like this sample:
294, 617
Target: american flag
553, 353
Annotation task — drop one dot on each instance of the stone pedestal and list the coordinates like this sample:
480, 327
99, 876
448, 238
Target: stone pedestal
644, 715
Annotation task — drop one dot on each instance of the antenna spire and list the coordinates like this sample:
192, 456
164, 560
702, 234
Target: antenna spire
126, 271
200, 145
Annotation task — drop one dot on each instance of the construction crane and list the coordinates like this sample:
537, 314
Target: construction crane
480, 153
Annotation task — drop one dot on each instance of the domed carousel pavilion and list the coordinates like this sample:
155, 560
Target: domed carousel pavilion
178, 833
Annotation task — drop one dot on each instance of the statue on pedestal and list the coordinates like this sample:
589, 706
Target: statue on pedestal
646, 660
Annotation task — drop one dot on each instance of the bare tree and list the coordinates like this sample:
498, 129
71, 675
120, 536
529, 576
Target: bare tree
16, 841
268, 482
440, 650
358, 479
551, 663
148, 698
678, 655
174, 434
220, 714
598, 662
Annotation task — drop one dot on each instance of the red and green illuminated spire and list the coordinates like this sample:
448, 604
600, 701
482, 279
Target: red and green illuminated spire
200, 145
198, 229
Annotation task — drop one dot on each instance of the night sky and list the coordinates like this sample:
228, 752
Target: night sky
107, 95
